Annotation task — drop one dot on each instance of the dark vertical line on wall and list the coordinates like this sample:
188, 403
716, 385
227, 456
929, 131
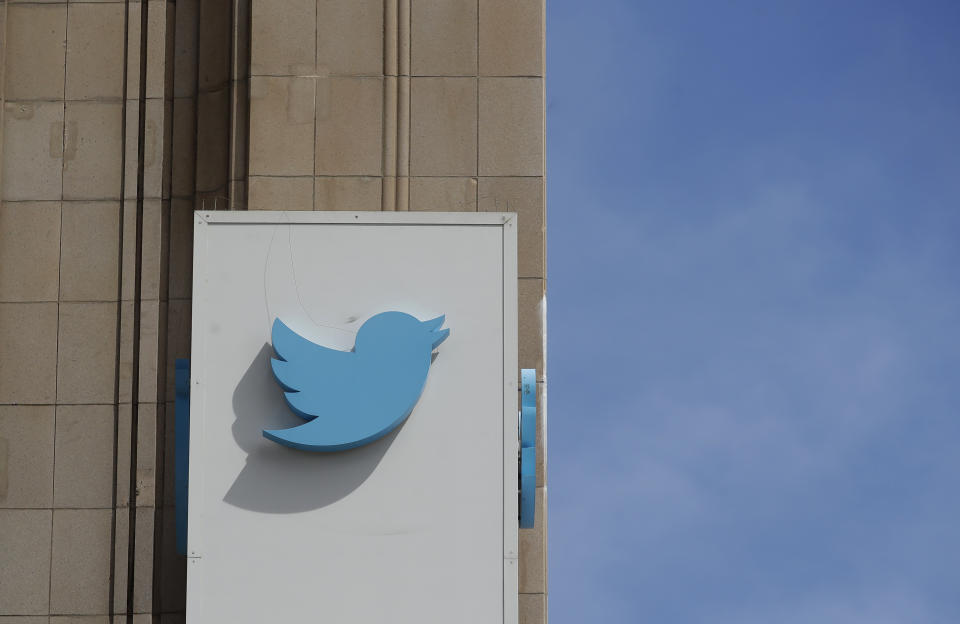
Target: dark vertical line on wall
164, 472
404, 86
119, 330
476, 199
315, 87
231, 108
405, 116
163, 322
196, 102
138, 265
56, 382
391, 105
166, 216
3, 65
248, 54
476, 171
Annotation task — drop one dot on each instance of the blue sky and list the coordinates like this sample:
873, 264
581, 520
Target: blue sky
754, 355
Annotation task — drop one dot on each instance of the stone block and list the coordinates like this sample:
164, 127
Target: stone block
523, 196
178, 338
347, 193
181, 249
160, 51
25, 544
121, 547
443, 127
533, 609
185, 48
283, 42
443, 37
26, 456
443, 194
84, 456
350, 37
153, 268
129, 251
349, 119
511, 37
93, 150
90, 250
530, 324
32, 150
152, 317
183, 167
149, 417
157, 136
282, 126
86, 353
533, 551
125, 373
29, 251
143, 561
28, 352
541, 434
173, 567
511, 127
80, 569
280, 193
214, 46
36, 36
213, 128
95, 40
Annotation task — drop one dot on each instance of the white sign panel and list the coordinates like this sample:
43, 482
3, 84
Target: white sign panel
415, 522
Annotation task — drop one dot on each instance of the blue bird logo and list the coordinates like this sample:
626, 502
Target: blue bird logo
351, 398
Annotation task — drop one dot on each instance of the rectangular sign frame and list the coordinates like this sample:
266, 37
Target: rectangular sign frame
204, 220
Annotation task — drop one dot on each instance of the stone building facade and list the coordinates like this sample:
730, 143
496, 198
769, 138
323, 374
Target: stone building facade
119, 118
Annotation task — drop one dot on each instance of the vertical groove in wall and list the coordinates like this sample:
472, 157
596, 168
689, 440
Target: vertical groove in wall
403, 106
388, 193
403, 144
215, 62
195, 94
112, 589
476, 68
138, 267
232, 104
3, 80
239, 110
395, 194
242, 37
56, 384
164, 63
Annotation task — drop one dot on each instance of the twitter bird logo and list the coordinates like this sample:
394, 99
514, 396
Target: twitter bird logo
351, 398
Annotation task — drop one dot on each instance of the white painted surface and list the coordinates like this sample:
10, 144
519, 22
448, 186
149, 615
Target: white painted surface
417, 527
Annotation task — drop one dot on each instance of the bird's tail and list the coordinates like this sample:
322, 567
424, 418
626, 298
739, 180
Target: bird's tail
438, 335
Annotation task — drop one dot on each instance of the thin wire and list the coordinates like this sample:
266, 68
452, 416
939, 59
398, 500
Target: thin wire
296, 285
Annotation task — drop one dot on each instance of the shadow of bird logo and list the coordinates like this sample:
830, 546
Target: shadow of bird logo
351, 398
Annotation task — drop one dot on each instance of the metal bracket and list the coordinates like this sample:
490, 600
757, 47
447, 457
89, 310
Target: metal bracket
528, 447
181, 424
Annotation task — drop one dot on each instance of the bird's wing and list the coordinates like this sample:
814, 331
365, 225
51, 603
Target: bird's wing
306, 368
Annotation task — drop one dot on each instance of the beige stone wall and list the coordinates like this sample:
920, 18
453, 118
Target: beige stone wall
84, 235
118, 120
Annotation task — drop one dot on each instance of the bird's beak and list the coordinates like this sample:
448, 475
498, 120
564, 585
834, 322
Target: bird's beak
438, 335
